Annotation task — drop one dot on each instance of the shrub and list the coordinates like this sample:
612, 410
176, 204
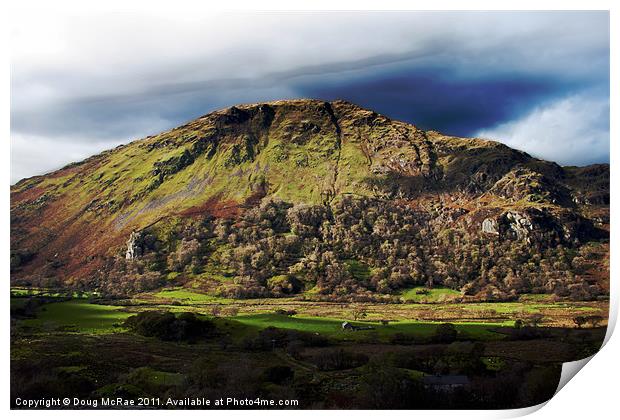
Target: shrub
283, 285
338, 360
286, 312
167, 326
527, 333
272, 337
445, 333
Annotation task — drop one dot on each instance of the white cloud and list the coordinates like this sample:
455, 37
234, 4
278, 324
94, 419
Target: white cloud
48, 154
56, 57
570, 131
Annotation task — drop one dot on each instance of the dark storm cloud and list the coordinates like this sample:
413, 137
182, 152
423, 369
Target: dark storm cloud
432, 101
518, 77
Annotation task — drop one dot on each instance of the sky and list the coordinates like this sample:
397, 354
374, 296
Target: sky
84, 83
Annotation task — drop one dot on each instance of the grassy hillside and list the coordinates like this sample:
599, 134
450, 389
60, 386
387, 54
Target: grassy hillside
70, 226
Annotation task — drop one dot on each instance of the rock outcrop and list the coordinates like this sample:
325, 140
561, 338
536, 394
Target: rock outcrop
134, 246
490, 226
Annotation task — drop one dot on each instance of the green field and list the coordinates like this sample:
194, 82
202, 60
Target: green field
78, 316
474, 321
423, 294
38, 291
506, 308
333, 329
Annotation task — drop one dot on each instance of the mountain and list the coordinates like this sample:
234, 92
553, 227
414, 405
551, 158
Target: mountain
313, 197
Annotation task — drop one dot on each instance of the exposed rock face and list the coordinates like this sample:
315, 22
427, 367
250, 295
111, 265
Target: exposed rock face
490, 226
134, 246
536, 225
519, 224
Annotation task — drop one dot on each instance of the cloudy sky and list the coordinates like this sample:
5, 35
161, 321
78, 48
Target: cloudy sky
538, 81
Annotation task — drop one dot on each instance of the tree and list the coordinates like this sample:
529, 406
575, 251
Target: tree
579, 321
359, 312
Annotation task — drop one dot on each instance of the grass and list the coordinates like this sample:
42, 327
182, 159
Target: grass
157, 377
436, 294
78, 316
309, 324
24, 292
19, 292
533, 306
504, 307
190, 295
475, 321
333, 329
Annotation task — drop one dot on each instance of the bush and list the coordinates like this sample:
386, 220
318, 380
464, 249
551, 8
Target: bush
338, 360
285, 312
385, 387
445, 333
272, 337
283, 285
167, 326
527, 333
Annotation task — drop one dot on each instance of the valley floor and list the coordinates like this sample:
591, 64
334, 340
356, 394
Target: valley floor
394, 355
